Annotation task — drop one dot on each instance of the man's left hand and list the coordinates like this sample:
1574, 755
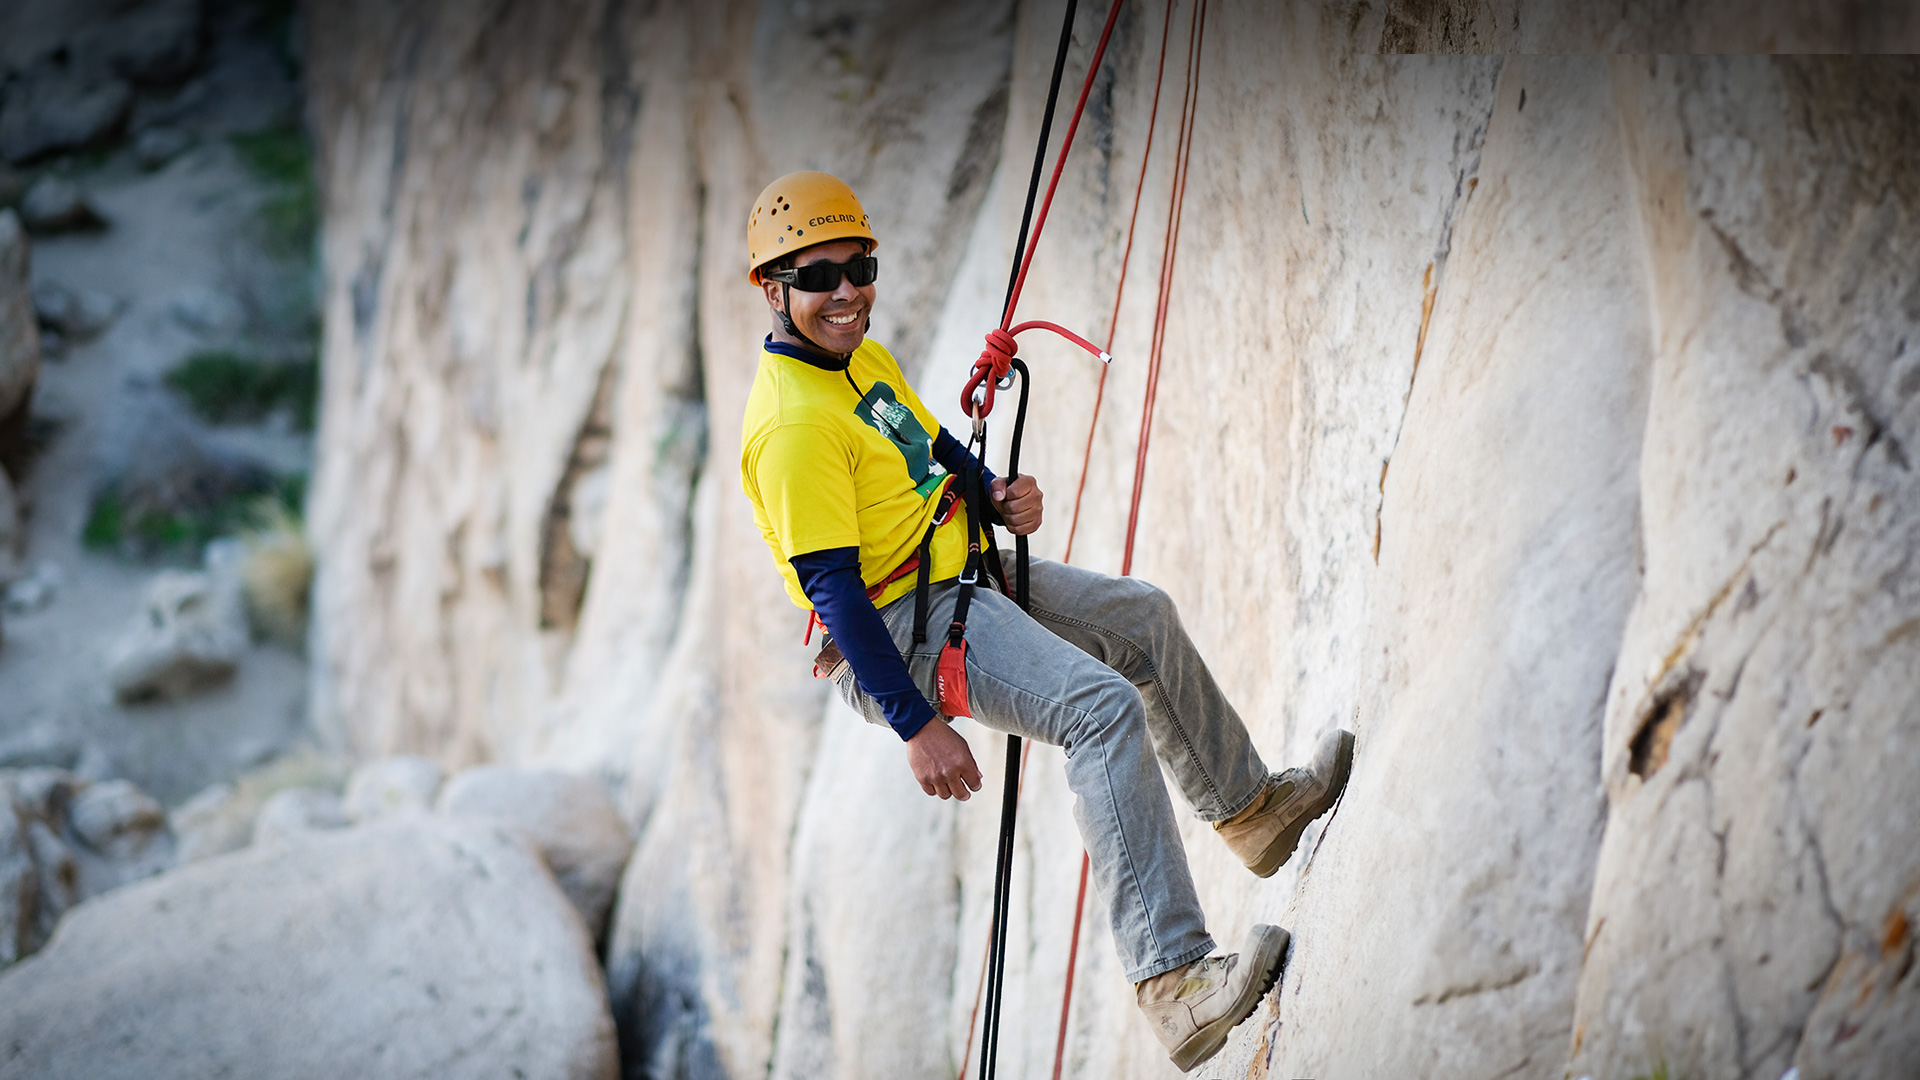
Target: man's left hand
1018, 503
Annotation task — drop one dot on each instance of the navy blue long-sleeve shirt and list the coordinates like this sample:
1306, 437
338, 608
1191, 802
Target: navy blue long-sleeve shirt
831, 579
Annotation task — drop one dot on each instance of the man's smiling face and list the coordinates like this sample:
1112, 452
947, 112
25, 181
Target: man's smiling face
836, 321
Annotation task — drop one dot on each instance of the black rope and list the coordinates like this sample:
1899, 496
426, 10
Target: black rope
1010, 790
1040, 155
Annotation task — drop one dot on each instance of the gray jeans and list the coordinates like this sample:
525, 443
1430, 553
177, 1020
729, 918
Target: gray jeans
1103, 670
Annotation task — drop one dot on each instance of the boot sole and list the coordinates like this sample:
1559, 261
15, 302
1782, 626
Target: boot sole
1278, 852
1267, 954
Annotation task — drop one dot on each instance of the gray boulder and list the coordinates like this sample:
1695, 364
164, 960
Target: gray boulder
116, 820
157, 146
188, 637
57, 204
391, 786
56, 106
19, 336
74, 64
149, 41
75, 314
63, 840
28, 592
411, 948
570, 820
12, 542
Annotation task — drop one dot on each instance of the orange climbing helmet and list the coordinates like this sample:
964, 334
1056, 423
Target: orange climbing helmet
799, 210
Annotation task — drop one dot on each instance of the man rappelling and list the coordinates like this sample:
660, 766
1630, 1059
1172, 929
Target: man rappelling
861, 495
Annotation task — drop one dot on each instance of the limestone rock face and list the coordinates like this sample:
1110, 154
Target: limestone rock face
1758, 863
335, 956
1545, 421
569, 820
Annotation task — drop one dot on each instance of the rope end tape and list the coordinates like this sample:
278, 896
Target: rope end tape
1106, 357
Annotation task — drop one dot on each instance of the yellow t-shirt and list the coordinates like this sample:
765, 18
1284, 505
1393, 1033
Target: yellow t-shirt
845, 459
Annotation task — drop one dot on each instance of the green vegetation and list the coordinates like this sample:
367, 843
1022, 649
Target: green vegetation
277, 157
290, 213
225, 387
1658, 1072
122, 525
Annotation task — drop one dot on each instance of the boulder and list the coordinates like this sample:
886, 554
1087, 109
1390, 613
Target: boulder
12, 541
74, 314
58, 204
152, 41
116, 819
30, 592
569, 819
157, 146
189, 636
19, 336
422, 947
63, 840
57, 105
391, 786
298, 812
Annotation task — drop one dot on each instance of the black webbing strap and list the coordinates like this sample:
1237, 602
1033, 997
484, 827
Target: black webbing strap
920, 585
975, 484
950, 493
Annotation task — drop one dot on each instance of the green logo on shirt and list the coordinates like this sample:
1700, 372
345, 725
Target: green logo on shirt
883, 412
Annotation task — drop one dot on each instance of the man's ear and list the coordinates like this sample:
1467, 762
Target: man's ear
771, 290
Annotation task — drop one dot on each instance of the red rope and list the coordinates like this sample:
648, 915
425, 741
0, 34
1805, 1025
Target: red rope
1126, 256
1184, 153
998, 355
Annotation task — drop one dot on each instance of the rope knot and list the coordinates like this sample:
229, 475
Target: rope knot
994, 362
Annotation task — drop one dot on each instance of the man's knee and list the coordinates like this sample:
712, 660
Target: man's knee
1109, 706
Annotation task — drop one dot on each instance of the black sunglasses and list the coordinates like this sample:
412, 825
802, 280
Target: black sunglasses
825, 276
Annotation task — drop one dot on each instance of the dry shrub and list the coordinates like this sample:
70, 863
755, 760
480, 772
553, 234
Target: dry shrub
277, 573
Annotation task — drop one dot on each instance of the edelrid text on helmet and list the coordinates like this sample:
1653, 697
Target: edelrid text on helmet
799, 210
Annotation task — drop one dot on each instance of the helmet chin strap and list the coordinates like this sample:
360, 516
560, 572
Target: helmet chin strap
787, 324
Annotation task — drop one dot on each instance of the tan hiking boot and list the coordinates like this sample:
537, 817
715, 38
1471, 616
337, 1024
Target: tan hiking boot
1266, 832
1193, 1008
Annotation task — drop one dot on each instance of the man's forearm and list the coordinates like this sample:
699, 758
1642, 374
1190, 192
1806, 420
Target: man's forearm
831, 580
